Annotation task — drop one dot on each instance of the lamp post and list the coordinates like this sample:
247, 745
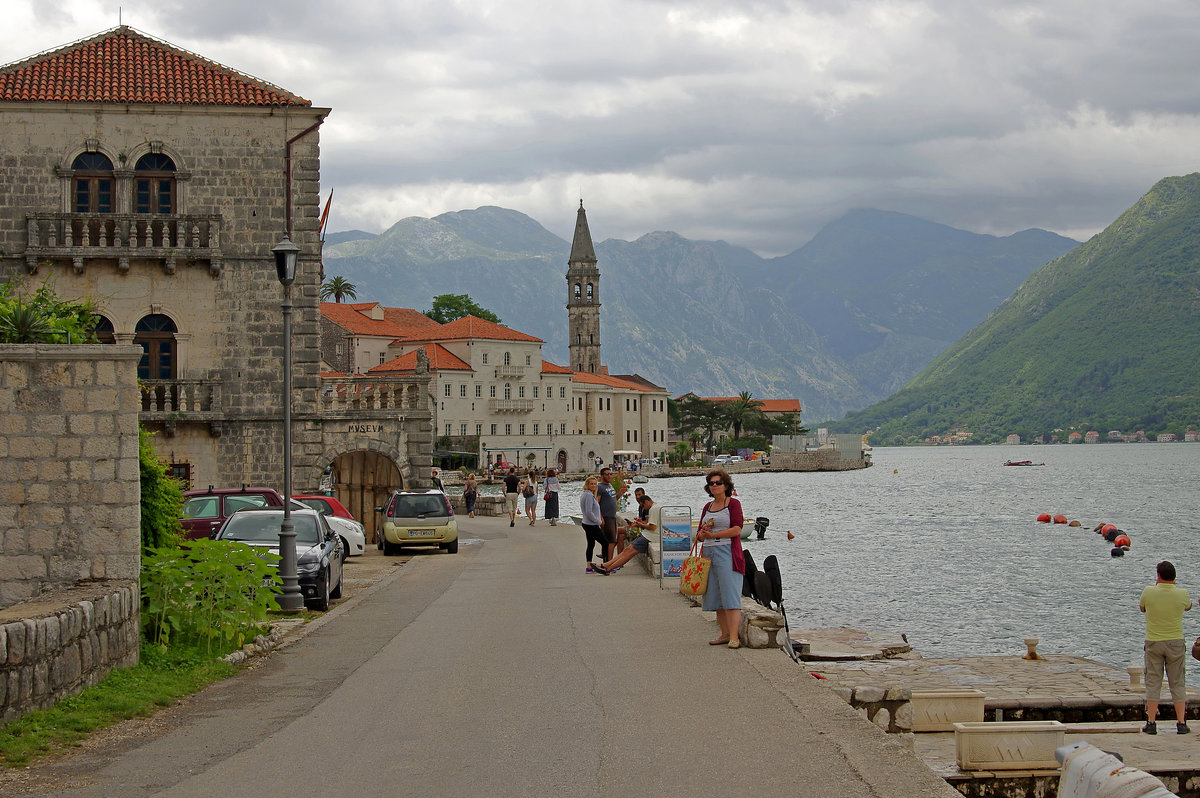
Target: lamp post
286, 255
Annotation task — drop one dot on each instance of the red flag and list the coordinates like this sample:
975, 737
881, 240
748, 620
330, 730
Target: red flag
325, 216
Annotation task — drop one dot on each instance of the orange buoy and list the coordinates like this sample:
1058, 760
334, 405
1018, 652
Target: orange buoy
790, 535
1107, 528
1044, 518
1060, 519
1122, 540
1074, 523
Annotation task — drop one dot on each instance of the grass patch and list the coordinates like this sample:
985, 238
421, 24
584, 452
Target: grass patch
163, 677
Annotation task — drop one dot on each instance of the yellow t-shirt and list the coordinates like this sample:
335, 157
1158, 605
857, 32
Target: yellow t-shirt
1164, 605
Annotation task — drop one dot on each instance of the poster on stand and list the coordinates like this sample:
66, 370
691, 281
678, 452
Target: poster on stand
676, 541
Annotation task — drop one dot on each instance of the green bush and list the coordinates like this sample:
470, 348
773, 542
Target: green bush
44, 318
212, 593
162, 498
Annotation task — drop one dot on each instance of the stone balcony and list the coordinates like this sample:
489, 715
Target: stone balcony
342, 395
169, 402
124, 238
510, 405
510, 372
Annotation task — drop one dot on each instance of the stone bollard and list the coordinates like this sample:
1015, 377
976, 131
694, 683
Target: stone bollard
1031, 644
1135, 676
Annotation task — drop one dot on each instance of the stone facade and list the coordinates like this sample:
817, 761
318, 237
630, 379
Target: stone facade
69, 481
64, 642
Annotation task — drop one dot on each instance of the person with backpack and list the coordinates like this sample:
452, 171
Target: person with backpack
529, 493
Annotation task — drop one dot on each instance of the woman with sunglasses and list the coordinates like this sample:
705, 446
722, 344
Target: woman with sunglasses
720, 531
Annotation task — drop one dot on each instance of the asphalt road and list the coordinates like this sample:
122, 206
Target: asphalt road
505, 670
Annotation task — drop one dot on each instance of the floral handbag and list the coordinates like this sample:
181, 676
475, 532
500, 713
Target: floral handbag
693, 579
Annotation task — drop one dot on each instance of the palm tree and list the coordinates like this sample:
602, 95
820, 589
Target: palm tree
339, 288
741, 410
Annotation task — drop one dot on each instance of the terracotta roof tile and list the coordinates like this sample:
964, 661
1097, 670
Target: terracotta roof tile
472, 327
603, 379
351, 319
550, 368
126, 66
440, 359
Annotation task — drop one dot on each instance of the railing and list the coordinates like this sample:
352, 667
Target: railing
341, 395
180, 400
510, 405
510, 371
80, 236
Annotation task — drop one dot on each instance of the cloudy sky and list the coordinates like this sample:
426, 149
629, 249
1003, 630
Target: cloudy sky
754, 121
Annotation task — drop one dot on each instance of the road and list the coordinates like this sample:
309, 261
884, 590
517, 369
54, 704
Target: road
504, 670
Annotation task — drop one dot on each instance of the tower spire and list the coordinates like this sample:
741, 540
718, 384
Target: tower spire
583, 300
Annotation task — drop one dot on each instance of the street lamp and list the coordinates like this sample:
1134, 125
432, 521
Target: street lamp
286, 255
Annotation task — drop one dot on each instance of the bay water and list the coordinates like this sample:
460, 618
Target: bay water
942, 544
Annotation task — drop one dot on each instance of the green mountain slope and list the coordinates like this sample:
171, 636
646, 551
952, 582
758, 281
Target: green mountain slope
1104, 337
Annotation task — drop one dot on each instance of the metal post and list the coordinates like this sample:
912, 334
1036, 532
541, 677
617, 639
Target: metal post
291, 600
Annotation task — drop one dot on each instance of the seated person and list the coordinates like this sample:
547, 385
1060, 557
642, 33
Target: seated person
648, 530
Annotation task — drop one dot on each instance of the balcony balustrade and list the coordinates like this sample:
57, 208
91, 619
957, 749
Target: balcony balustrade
345, 395
79, 237
510, 405
510, 372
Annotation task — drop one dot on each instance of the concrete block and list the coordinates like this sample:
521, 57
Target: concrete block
939, 710
868, 694
1014, 745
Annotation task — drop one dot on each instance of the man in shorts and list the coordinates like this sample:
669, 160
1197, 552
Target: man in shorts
512, 484
640, 544
607, 496
1164, 603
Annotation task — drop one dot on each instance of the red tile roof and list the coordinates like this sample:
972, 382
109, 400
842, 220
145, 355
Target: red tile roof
550, 368
471, 327
603, 379
354, 321
440, 359
126, 66
409, 318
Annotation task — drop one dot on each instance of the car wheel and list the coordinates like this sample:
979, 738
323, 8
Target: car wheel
322, 602
389, 548
336, 593
345, 551
452, 546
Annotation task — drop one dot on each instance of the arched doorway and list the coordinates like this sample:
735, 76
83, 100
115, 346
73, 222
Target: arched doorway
562, 460
363, 480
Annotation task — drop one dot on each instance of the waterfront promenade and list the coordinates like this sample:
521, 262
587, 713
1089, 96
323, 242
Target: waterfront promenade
503, 670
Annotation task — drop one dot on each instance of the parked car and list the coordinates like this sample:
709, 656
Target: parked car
205, 510
318, 548
503, 465
725, 459
418, 518
354, 536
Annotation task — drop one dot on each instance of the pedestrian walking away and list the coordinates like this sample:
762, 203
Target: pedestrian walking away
551, 497
593, 529
529, 488
511, 485
1164, 604
470, 494
720, 531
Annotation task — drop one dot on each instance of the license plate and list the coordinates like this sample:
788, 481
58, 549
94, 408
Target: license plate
421, 533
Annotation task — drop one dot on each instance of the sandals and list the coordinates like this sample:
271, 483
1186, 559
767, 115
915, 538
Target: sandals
720, 641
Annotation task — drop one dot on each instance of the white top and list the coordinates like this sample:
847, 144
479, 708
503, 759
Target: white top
720, 519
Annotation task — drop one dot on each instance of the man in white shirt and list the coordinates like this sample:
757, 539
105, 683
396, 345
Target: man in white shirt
641, 544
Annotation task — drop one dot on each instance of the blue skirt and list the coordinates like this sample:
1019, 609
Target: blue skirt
724, 584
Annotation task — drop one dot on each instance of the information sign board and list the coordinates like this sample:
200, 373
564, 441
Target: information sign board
676, 540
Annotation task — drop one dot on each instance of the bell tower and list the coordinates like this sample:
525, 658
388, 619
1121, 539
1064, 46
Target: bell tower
583, 300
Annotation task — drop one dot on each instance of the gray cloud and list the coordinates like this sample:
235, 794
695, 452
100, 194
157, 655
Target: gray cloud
752, 122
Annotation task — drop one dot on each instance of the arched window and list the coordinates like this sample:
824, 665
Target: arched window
589, 292
104, 331
93, 183
154, 184
156, 334
577, 290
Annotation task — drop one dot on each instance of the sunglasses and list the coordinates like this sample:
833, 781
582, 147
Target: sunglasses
718, 482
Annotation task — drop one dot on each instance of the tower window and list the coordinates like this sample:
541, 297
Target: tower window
576, 288
589, 292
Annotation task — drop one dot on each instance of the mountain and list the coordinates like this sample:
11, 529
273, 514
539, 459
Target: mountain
1104, 337
347, 235
838, 324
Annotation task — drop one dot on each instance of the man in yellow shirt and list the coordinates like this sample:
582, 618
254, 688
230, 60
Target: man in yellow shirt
1164, 603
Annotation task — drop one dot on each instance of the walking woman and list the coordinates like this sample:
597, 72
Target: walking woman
470, 494
720, 531
593, 527
551, 497
529, 488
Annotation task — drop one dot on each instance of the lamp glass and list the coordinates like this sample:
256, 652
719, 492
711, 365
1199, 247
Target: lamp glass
286, 255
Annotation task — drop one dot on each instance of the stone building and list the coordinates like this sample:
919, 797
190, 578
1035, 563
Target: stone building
155, 183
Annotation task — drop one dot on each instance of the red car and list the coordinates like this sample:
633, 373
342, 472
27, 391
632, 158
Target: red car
325, 505
205, 510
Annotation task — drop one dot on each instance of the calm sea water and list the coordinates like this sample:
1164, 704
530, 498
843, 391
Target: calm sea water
942, 544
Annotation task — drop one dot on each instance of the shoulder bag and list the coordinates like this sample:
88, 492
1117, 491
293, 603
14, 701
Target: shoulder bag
1196, 649
693, 579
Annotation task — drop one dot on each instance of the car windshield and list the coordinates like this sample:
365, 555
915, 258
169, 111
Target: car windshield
319, 505
416, 506
242, 501
264, 528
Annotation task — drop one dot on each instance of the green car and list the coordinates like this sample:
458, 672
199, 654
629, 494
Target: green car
418, 518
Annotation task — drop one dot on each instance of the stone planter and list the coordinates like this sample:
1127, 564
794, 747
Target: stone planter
940, 710
1012, 745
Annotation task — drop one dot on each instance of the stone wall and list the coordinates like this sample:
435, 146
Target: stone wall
65, 641
69, 481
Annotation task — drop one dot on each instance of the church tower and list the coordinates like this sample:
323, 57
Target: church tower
583, 300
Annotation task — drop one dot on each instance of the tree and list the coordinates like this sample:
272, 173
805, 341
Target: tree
448, 307
741, 410
700, 414
339, 288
